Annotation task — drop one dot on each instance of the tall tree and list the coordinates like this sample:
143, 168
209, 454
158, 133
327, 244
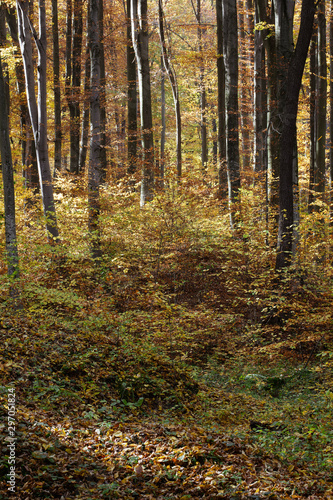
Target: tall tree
56, 87
28, 155
38, 113
132, 122
94, 173
140, 39
319, 171
86, 107
174, 87
7, 176
288, 135
230, 54
222, 172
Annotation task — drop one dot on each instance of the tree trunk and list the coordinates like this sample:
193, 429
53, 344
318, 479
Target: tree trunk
29, 162
288, 136
86, 108
94, 174
140, 39
230, 54
8, 185
38, 113
174, 87
56, 88
260, 108
163, 122
221, 139
74, 99
132, 121
103, 150
319, 171
313, 121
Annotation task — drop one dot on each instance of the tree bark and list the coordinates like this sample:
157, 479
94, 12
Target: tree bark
174, 87
56, 88
132, 121
221, 139
140, 39
86, 108
288, 136
230, 54
8, 185
319, 171
94, 174
28, 155
38, 114
74, 99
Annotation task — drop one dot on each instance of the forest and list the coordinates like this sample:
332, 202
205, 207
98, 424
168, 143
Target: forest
166, 249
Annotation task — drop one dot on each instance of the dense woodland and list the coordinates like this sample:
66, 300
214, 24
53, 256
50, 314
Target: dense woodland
166, 249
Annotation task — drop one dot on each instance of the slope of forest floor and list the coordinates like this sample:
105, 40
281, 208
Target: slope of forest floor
177, 366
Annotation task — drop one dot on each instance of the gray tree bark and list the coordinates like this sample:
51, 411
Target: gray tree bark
221, 139
86, 107
94, 173
140, 40
174, 87
8, 185
319, 171
288, 136
132, 120
56, 88
38, 114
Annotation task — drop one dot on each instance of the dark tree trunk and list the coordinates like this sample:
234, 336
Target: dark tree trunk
319, 171
94, 174
8, 180
74, 99
103, 151
221, 139
230, 54
288, 136
56, 88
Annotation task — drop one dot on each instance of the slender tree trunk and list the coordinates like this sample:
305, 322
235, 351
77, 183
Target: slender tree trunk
86, 108
174, 87
103, 151
230, 53
202, 90
29, 161
288, 136
132, 112
94, 174
313, 121
163, 122
56, 88
140, 39
260, 108
68, 54
8, 181
221, 139
38, 113
74, 99
273, 116
319, 171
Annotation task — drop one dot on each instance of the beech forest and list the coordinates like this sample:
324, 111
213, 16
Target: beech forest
166, 249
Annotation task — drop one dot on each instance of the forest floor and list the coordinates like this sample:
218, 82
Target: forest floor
175, 368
